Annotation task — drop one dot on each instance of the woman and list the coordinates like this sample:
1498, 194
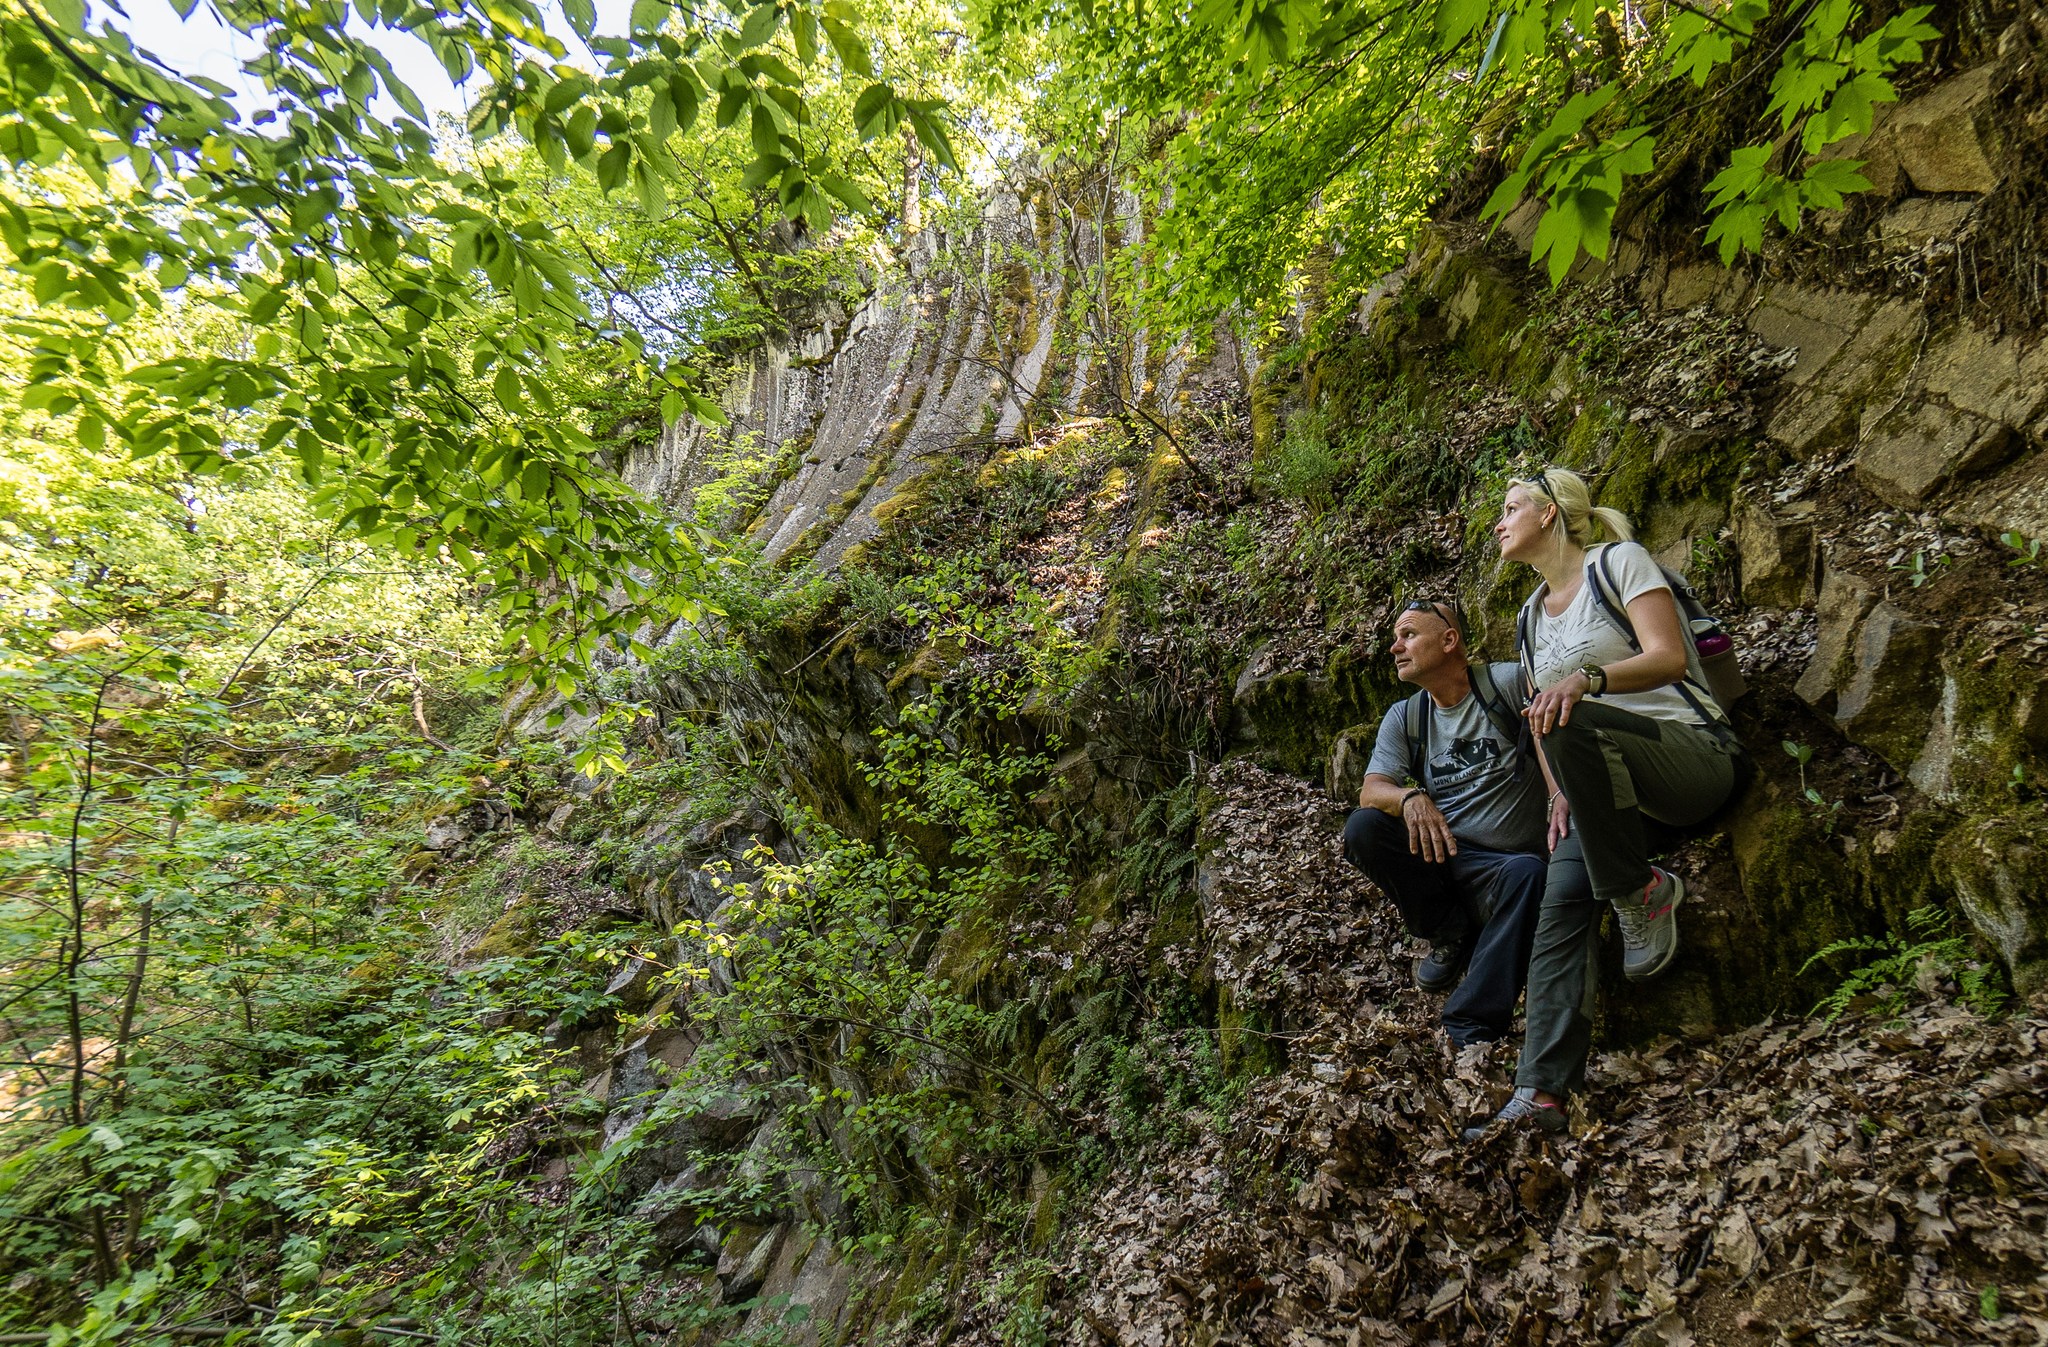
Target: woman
1624, 734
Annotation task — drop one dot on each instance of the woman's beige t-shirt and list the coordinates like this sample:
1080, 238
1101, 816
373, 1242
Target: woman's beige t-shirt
1582, 635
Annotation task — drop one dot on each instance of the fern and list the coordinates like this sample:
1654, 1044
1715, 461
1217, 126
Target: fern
1930, 948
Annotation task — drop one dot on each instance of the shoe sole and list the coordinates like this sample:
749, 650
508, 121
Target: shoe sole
1677, 897
1477, 1132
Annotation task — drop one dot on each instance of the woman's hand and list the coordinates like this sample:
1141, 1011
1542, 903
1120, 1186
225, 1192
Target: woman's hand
1552, 707
1560, 819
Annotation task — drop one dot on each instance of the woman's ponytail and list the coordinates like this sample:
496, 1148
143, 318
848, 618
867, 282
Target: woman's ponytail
1574, 501
1613, 523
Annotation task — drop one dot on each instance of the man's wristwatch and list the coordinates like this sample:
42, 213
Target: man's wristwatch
1596, 678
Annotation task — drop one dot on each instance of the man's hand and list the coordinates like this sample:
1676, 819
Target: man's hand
1560, 819
1552, 707
1429, 835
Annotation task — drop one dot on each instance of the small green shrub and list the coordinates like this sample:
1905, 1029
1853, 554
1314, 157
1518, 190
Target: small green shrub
1304, 465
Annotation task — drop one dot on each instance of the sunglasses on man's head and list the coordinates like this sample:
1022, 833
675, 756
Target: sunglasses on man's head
1445, 612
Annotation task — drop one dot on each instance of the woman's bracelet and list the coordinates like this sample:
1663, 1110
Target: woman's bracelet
1554, 794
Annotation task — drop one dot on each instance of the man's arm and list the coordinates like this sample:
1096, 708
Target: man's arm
1429, 832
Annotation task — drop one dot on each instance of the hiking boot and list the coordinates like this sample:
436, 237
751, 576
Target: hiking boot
1521, 1110
1440, 969
1649, 926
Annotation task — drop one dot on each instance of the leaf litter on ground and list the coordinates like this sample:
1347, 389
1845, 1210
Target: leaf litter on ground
1793, 1182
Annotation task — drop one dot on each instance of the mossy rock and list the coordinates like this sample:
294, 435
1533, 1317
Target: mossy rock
1998, 729
1997, 867
1290, 719
967, 952
519, 932
375, 976
930, 664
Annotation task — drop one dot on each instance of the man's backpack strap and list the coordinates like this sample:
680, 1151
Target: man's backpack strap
1415, 719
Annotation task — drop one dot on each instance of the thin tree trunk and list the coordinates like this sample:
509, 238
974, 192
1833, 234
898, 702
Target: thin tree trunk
913, 186
71, 955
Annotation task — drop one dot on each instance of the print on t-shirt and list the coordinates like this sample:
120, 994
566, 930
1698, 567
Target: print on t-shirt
1488, 797
1465, 754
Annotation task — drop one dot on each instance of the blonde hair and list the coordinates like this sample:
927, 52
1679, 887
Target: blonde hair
1584, 522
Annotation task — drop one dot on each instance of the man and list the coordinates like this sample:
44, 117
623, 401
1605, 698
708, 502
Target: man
1462, 851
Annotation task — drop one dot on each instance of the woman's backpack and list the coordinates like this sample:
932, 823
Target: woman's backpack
1709, 656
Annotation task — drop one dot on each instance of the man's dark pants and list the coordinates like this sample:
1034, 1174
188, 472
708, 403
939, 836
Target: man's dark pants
1497, 893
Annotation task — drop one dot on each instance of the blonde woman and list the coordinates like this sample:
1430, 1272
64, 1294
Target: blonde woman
1624, 734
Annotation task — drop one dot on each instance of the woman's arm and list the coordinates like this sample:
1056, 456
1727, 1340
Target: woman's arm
1558, 812
1662, 660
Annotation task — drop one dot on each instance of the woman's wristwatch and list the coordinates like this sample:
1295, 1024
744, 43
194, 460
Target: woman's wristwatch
1596, 678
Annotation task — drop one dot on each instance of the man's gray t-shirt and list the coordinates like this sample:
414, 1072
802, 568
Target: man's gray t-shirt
1471, 769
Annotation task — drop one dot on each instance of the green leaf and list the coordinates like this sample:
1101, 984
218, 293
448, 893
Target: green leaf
1493, 48
849, 46
705, 410
760, 25
1505, 196
505, 388
581, 131
846, 191
682, 91
766, 139
1457, 19
733, 102
876, 112
648, 187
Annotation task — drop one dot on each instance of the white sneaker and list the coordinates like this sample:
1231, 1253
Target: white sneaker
1649, 926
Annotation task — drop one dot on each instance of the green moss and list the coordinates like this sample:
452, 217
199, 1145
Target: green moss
968, 951
1484, 313
1046, 1209
932, 663
1294, 716
518, 932
376, 975
2000, 728
1996, 865
1244, 1039
811, 539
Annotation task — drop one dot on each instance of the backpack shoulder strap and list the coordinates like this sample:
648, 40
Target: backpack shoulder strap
1505, 722
1415, 719
1525, 638
1600, 580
